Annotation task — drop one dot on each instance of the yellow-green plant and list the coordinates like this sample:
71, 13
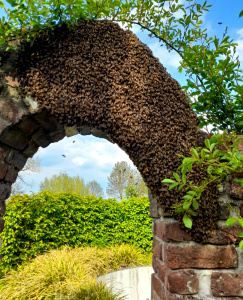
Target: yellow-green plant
221, 157
45, 221
70, 274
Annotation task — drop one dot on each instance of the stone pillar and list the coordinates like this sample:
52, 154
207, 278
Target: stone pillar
184, 269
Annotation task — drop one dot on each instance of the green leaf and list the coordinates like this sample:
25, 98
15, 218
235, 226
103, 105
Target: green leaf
195, 204
241, 222
194, 153
168, 180
177, 177
184, 178
240, 234
207, 143
191, 212
180, 187
231, 221
186, 205
173, 185
241, 14
212, 146
202, 153
241, 244
187, 221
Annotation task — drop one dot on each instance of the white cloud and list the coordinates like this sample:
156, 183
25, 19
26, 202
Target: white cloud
168, 59
78, 161
239, 41
240, 33
89, 157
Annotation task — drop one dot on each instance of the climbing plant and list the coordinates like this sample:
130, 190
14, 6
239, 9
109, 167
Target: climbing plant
220, 157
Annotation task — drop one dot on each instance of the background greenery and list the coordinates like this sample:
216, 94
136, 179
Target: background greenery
47, 220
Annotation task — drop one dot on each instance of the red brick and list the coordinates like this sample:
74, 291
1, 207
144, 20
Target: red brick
157, 285
173, 232
3, 170
226, 284
157, 248
11, 175
224, 235
199, 256
183, 282
162, 271
4, 191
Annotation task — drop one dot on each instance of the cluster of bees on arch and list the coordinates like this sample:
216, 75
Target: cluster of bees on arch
96, 74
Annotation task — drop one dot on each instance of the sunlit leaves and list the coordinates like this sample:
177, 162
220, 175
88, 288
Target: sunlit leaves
219, 165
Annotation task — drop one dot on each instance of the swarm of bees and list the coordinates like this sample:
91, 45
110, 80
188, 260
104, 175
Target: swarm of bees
98, 75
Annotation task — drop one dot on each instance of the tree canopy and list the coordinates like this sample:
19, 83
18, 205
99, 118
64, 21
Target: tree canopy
125, 181
65, 183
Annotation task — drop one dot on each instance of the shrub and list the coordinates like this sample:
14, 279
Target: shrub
70, 274
45, 221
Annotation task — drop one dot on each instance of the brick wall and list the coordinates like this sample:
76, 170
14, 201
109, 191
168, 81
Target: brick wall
184, 269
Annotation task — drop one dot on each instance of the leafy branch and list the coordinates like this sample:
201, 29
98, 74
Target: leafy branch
221, 158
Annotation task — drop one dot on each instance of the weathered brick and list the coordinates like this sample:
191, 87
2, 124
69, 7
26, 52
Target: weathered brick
236, 189
56, 136
153, 208
170, 231
3, 207
161, 270
4, 151
227, 284
28, 125
157, 248
200, 256
4, 124
16, 159
183, 282
157, 285
41, 138
224, 235
5, 189
14, 138
48, 122
1, 224
31, 149
11, 111
11, 175
3, 170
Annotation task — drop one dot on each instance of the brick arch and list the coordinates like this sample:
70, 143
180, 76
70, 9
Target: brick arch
98, 75
97, 78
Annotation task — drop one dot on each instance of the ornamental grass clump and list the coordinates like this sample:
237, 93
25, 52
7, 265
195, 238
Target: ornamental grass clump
70, 274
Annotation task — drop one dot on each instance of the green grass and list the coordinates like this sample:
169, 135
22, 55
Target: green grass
70, 274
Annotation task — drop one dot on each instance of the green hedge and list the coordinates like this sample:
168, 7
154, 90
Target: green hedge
44, 221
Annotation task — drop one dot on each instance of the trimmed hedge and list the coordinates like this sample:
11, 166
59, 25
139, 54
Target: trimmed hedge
44, 221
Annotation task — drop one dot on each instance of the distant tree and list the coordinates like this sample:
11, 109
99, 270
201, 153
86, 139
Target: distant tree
65, 183
130, 192
32, 165
95, 189
121, 177
118, 180
136, 180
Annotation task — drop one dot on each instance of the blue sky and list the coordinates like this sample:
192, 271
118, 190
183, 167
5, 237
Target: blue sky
93, 158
